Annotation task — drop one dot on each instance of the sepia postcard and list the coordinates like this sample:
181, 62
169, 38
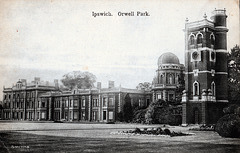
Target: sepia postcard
116, 76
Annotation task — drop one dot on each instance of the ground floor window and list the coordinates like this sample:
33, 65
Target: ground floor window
57, 115
170, 97
75, 115
111, 115
43, 115
94, 115
104, 115
148, 102
70, 115
21, 115
83, 115
66, 115
38, 115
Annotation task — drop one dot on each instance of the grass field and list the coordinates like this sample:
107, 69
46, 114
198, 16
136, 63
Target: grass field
72, 137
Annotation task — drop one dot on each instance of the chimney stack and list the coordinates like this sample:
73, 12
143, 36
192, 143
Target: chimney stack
56, 83
110, 84
24, 82
37, 80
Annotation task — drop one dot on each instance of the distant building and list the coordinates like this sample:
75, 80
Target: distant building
167, 77
21, 100
45, 102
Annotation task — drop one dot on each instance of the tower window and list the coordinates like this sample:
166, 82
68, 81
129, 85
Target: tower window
199, 39
213, 88
195, 88
212, 40
161, 79
192, 40
170, 79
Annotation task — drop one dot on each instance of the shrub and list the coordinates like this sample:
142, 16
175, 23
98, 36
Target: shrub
167, 131
137, 130
231, 109
229, 126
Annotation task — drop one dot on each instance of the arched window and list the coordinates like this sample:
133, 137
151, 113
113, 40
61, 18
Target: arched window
170, 79
191, 40
199, 39
212, 39
161, 79
213, 88
195, 88
176, 79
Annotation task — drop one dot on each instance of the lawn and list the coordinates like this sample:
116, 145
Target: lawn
68, 137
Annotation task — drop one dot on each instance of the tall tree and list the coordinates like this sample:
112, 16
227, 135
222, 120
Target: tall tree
82, 80
127, 109
234, 74
180, 87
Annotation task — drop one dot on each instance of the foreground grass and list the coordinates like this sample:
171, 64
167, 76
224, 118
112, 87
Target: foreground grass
24, 142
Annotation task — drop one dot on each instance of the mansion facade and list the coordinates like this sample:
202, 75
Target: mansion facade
40, 100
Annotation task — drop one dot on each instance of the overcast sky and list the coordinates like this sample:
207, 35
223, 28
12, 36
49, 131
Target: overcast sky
50, 38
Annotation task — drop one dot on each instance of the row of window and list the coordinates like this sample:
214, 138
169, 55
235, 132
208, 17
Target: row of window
170, 79
200, 39
19, 95
196, 88
19, 105
95, 103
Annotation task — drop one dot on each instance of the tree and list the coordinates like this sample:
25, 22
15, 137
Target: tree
180, 88
144, 86
82, 80
234, 74
229, 124
127, 109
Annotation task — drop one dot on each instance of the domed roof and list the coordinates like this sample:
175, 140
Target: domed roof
168, 58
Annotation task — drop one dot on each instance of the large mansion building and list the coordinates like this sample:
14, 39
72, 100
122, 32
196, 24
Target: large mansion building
40, 100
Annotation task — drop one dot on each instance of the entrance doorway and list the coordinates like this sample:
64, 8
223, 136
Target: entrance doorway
196, 117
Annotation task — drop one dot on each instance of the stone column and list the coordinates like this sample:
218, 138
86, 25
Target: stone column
60, 108
89, 108
49, 108
99, 107
184, 108
164, 95
24, 106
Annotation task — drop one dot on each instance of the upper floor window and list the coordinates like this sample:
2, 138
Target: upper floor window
110, 102
43, 104
170, 79
161, 79
104, 102
83, 103
191, 40
75, 103
176, 79
195, 88
71, 103
95, 102
199, 39
212, 39
213, 88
